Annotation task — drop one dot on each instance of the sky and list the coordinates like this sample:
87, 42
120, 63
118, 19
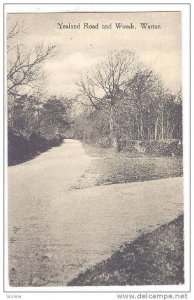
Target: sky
81, 49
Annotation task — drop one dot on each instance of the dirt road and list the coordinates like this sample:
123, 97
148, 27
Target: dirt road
55, 231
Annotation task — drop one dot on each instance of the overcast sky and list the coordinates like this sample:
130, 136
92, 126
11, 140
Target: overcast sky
81, 49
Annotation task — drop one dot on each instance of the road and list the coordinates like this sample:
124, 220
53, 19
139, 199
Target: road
56, 231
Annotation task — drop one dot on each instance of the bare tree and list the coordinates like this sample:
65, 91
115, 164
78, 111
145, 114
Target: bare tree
26, 69
126, 100
145, 91
101, 86
24, 72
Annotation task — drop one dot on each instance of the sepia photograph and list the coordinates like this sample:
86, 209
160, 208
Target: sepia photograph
95, 148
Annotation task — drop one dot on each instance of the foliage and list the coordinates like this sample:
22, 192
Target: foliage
123, 100
36, 122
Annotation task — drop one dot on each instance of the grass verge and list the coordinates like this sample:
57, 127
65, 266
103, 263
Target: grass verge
111, 167
156, 258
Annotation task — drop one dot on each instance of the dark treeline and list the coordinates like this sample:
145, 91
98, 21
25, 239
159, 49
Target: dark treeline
27, 114
35, 122
124, 101
34, 126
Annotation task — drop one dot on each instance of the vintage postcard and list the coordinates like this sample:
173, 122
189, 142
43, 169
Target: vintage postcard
97, 149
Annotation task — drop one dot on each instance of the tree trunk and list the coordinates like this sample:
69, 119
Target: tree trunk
156, 129
12, 123
162, 124
113, 138
149, 138
138, 131
167, 129
141, 128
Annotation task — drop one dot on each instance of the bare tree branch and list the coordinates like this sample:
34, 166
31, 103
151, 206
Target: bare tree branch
16, 29
26, 68
109, 77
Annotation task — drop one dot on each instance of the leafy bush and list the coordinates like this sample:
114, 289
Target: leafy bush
18, 147
22, 148
38, 143
154, 147
164, 148
103, 142
56, 141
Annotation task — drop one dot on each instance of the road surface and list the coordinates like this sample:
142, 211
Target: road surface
56, 232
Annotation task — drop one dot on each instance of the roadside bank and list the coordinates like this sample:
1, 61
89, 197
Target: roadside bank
156, 258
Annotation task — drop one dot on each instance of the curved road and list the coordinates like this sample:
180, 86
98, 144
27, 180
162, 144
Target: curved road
55, 232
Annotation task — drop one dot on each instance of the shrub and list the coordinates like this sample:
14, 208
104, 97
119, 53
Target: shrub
21, 148
164, 148
56, 141
18, 147
103, 142
38, 143
154, 147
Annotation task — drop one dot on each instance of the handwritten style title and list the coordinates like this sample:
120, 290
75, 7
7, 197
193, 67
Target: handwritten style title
130, 25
